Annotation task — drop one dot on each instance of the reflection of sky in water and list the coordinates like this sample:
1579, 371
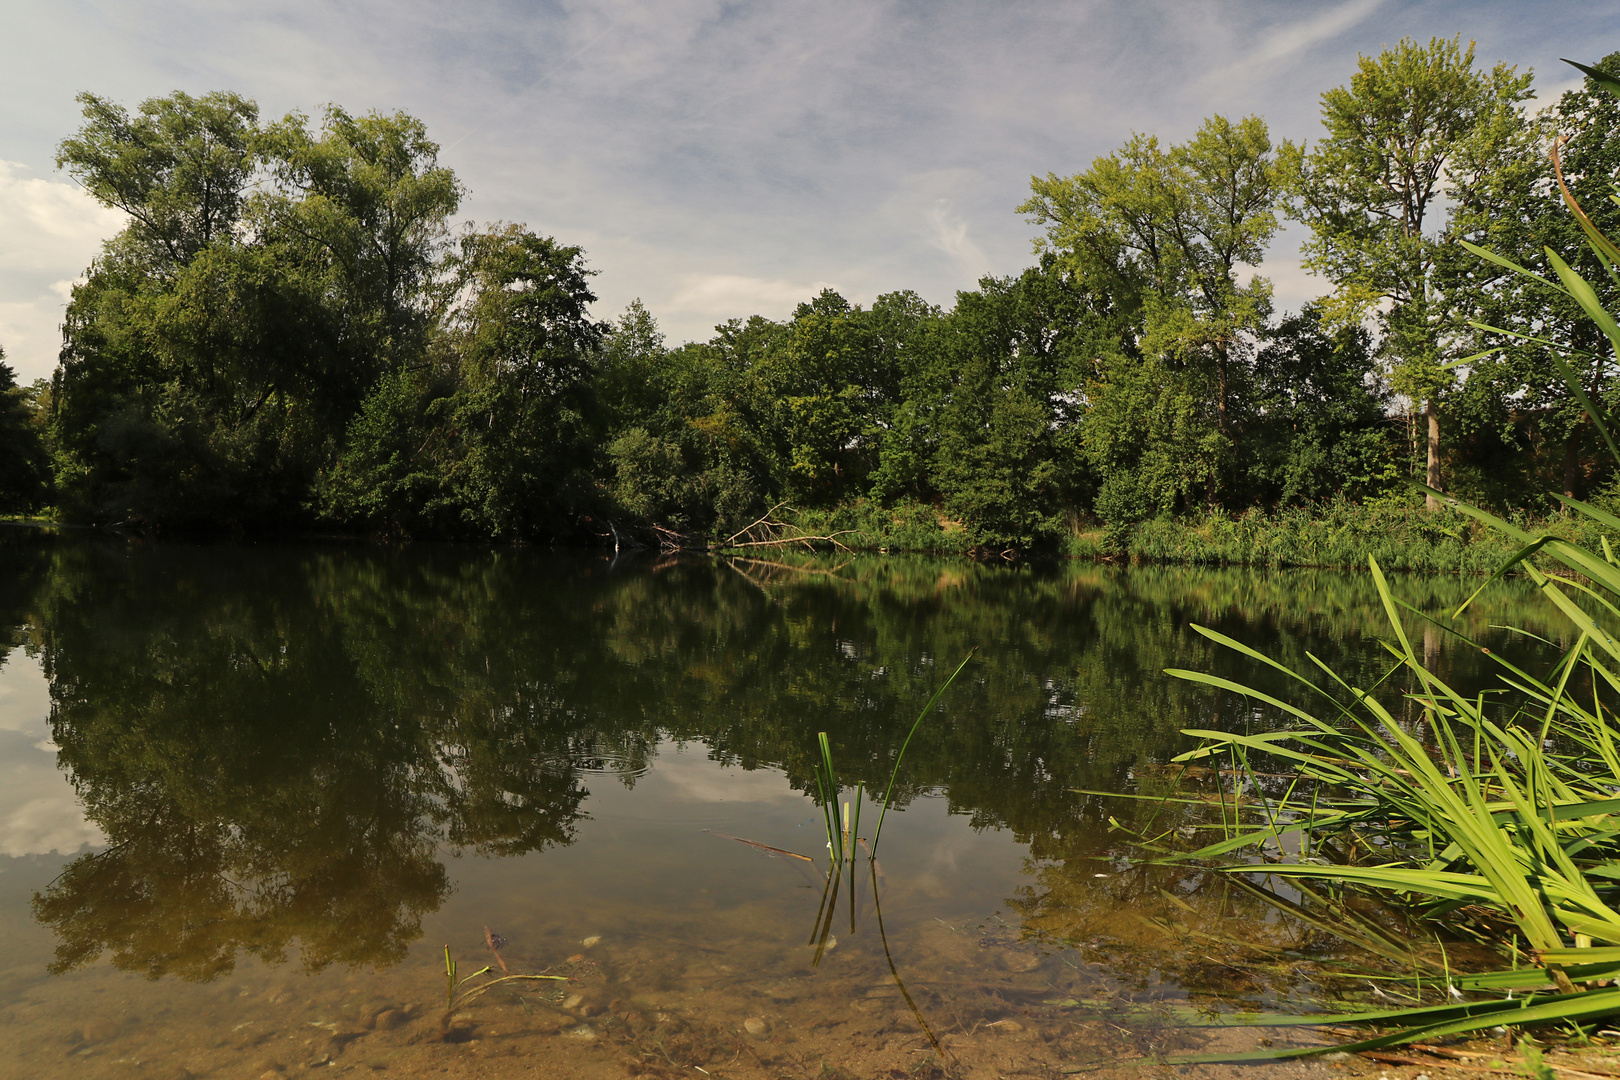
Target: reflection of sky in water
39, 812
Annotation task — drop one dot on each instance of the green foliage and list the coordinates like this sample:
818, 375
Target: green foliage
24, 458
525, 416
1163, 232
1318, 425
1496, 808
223, 342
288, 334
1415, 124
1529, 430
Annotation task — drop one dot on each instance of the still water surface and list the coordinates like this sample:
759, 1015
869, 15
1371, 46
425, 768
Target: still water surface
251, 794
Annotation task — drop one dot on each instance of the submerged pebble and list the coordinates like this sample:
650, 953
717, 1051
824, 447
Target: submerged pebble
99, 1030
1020, 962
389, 1019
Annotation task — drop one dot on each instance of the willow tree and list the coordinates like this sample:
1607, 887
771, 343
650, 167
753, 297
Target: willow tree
1163, 232
1370, 191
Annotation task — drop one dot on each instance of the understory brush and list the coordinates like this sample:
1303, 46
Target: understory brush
1338, 534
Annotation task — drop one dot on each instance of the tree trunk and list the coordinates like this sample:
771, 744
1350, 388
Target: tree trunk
1572, 459
1433, 413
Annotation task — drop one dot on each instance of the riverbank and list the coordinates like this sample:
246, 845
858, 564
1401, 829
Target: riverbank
1335, 535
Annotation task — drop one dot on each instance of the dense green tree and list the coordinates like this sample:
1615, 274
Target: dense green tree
1164, 232
1400, 138
222, 343
1514, 402
525, 416
24, 459
289, 334
180, 168
1320, 424
1006, 408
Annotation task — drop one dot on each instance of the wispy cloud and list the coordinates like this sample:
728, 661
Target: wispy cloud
951, 237
711, 152
719, 296
1302, 35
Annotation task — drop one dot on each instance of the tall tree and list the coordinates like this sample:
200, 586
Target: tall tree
24, 462
1514, 395
1163, 233
268, 278
1369, 190
179, 167
526, 415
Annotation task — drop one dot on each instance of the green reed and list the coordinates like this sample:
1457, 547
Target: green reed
1469, 812
843, 832
453, 1000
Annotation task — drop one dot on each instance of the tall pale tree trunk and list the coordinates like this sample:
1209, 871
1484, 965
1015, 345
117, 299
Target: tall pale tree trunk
1433, 413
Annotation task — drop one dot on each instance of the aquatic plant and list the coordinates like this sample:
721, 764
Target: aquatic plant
455, 997
1480, 813
843, 833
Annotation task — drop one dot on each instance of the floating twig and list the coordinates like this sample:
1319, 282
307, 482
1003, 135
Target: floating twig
496, 943
762, 847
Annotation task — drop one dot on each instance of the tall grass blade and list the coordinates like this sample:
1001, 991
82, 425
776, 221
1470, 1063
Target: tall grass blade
888, 792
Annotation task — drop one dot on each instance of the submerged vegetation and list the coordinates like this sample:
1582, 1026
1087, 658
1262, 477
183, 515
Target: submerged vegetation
290, 335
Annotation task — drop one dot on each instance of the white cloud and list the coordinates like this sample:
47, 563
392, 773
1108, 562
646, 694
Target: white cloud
951, 237
25, 695
1292, 286
49, 232
39, 811
53, 823
1548, 92
687, 776
718, 158
1301, 35
722, 296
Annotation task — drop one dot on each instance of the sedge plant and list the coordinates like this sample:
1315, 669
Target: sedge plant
1479, 813
843, 832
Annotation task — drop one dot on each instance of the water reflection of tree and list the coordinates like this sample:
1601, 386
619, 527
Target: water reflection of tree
255, 787
275, 741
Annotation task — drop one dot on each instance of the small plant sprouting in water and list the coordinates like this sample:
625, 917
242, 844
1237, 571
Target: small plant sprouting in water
843, 829
455, 997
843, 833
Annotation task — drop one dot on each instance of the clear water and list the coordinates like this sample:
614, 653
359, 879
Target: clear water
251, 794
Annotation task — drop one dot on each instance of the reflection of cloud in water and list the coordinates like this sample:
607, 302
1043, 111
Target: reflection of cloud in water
39, 812
690, 775
25, 696
46, 824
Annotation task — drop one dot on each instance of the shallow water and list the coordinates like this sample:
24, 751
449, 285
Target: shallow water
251, 794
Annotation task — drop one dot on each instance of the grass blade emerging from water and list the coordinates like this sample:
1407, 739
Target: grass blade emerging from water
898, 758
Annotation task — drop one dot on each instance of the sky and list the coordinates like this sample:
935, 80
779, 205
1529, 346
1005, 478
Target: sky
721, 159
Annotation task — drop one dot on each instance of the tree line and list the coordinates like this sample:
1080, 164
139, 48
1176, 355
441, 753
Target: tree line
290, 333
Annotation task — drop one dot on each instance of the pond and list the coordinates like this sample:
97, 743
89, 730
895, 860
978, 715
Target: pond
253, 794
